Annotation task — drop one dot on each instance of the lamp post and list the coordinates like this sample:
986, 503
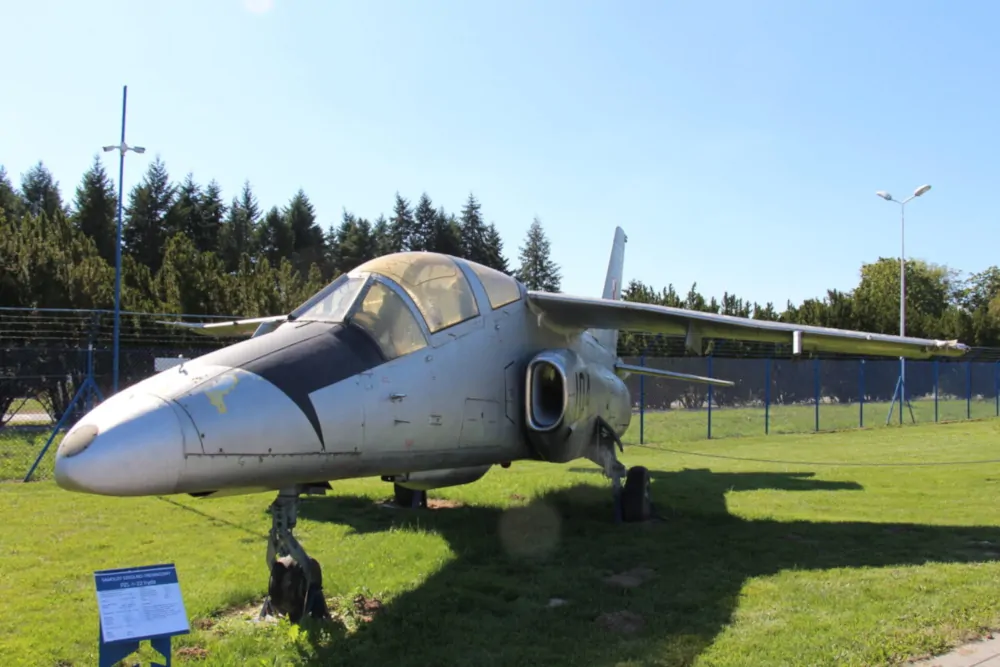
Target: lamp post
901, 384
122, 148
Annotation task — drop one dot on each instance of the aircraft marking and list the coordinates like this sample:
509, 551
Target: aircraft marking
224, 385
304, 359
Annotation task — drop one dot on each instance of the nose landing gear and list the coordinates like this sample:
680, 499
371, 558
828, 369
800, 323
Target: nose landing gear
295, 587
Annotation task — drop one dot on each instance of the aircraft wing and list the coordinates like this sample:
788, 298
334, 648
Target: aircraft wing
254, 326
573, 314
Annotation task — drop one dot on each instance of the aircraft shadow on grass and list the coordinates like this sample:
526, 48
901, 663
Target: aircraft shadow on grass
490, 604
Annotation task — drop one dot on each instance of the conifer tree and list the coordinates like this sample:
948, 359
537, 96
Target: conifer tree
213, 212
308, 242
95, 210
11, 204
423, 223
402, 226
40, 191
146, 226
185, 211
475, 243
382, 237
276, 239
538, 271
239, 234
495, 258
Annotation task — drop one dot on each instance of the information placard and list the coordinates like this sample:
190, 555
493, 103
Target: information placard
140, 603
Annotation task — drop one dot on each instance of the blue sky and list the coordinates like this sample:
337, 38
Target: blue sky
739, 143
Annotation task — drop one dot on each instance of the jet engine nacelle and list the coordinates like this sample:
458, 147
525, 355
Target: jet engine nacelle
564, 396
425, 480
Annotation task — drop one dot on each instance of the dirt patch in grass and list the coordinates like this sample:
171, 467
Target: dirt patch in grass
365, 608
192, 653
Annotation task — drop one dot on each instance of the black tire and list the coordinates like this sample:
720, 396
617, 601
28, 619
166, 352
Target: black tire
405, 497
287, 589
636, 502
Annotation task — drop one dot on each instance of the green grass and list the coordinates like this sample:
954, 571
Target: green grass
752, 563
29, 411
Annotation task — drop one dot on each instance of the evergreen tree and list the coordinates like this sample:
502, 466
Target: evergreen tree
355, 243
402, 226
95, 210
475, 239
444, 235
145, 229
213, 212
495, 258
185, 211
239, 234
308, 242
40, 192
537, 271
11, 204
382, 237
423, 224
276, 239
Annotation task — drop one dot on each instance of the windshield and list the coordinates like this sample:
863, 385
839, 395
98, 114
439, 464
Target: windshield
332, 302
389, 320
434, 282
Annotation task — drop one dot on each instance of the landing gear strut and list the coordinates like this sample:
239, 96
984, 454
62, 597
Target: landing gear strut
633, 502
295, 587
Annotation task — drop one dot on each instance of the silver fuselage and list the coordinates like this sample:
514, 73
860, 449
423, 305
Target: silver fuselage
310, 402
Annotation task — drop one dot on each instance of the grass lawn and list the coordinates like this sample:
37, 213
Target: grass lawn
751, 563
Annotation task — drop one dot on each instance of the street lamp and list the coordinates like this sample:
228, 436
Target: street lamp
901, 384
122, 148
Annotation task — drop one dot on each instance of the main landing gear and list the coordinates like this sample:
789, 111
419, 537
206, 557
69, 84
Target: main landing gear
295, 588
633, 502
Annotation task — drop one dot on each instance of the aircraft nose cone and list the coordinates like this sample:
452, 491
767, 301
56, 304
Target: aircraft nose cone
131, 444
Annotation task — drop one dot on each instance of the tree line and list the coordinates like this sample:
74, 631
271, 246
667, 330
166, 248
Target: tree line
187, 250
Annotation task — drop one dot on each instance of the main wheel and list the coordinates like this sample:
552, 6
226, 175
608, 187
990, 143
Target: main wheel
636, 502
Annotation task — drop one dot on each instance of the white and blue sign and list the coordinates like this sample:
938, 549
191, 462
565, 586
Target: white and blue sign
140, 603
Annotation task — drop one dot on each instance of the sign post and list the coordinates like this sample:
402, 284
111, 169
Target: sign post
135, 605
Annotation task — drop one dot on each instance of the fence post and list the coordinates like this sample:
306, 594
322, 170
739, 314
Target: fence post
968, 390
861, 394
767, 395
936, 369
642, 399
816, 388
709, 398
996, 386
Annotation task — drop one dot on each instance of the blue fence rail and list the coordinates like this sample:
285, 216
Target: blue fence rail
805, 395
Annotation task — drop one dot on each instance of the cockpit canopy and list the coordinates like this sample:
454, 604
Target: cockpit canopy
437, 287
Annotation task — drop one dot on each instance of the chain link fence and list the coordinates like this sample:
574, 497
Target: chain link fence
46, 357
775, 395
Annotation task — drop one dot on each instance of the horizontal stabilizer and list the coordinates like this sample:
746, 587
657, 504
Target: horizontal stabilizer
671, 375
231, 328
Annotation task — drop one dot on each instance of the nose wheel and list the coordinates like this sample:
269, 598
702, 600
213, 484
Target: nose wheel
295, 586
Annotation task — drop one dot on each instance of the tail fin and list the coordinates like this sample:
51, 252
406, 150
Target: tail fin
613, 287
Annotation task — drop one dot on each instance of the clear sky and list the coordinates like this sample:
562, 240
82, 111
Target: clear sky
739, 143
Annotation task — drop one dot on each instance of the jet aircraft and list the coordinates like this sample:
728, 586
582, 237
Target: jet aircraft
423, 369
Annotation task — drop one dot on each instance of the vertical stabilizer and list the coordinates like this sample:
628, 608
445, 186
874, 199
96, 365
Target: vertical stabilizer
613, 287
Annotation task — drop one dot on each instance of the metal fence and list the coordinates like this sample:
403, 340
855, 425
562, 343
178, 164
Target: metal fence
47, 356
806, 395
